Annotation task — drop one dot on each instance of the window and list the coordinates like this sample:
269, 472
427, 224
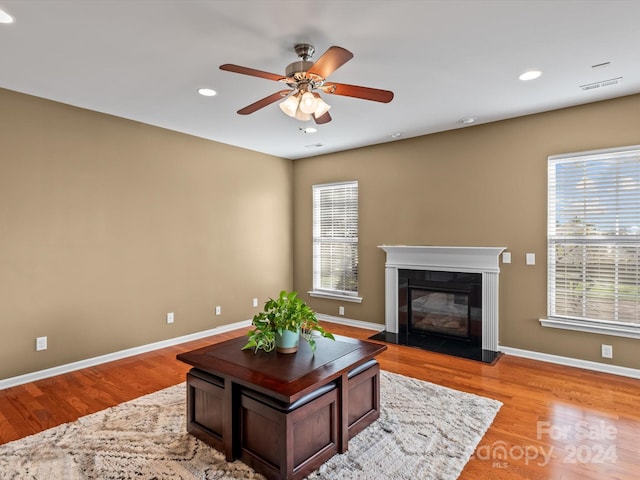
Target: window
335, 241
594, 240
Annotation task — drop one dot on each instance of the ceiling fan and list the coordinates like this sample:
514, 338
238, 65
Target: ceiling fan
305, 79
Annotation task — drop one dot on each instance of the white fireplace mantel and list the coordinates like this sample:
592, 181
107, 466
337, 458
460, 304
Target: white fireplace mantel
448, 259
484, 260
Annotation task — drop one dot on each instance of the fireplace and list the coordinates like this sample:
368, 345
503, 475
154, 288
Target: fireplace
443, 299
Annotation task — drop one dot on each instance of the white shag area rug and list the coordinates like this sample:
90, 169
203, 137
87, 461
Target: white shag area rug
425, 431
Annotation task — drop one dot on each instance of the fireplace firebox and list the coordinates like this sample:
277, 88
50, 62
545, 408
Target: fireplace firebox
439, 312
435, 304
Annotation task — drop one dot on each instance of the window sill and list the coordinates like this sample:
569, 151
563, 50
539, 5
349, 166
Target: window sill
592, 327
335, 296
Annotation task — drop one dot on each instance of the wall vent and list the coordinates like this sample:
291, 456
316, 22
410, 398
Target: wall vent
603, 83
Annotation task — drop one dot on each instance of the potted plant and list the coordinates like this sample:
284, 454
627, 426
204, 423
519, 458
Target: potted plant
281, 324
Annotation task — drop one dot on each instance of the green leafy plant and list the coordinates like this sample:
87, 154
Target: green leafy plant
287, 312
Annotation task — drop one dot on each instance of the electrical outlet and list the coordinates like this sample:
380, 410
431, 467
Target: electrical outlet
41, 343
607, 351
218, 310
170, 317
255, 302
341, 310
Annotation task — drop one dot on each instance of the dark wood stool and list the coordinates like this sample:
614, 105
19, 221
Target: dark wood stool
289, 440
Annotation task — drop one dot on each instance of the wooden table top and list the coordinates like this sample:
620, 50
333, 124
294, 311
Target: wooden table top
285, 377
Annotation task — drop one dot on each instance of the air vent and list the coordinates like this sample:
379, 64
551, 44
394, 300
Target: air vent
603, 83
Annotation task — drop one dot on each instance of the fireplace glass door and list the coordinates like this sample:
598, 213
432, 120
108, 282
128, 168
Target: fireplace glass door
440, 312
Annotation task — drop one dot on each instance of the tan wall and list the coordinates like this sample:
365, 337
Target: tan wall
480, 186
107, 224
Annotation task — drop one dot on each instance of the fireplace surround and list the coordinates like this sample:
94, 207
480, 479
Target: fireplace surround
443, 299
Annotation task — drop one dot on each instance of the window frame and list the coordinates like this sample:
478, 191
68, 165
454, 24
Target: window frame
317, 289
584, 324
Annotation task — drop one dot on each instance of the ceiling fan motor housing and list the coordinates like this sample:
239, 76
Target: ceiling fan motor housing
296, 69
304, 51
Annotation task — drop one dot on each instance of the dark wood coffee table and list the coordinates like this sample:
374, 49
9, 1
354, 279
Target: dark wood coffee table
282, 414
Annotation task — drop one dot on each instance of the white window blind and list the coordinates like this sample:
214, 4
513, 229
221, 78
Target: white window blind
335, 238
594, 237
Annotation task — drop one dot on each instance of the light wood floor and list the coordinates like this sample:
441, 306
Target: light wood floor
556, 422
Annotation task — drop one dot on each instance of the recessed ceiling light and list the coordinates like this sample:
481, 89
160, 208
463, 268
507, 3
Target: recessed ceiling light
308, 129
207, 92
395, 135
467, 120
5, 17
530, 75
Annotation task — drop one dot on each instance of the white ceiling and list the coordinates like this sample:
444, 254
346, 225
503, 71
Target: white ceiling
145, 59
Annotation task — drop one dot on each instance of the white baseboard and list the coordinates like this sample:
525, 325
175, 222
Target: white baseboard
351, 322
572, 362
110, 357
91, 362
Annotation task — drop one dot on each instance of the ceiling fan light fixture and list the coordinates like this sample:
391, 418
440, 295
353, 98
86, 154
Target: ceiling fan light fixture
303, 117
321, 106
308, 103
290, 105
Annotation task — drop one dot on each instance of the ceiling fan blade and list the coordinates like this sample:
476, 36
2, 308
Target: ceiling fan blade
264, 102
251, 71
330, 61
324, 118
366, 93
